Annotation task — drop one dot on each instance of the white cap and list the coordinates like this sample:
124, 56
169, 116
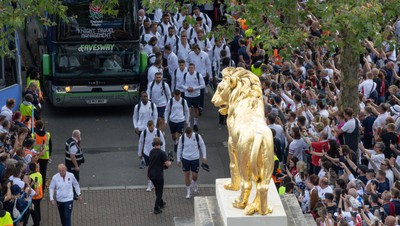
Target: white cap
395, 109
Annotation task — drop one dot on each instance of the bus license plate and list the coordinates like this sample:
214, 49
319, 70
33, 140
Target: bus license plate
97, 101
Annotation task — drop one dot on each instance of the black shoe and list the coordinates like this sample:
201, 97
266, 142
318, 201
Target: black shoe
157, 211
195, 128
163, 205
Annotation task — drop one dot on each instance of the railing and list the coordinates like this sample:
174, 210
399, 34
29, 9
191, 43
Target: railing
16, 221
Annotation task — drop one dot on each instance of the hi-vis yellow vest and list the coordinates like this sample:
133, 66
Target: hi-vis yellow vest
43, 140
38, 188
6, 220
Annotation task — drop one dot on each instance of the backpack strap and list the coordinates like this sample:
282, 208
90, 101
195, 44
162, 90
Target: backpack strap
165, 40
144, 138
151, 88
197, 139
177, 45
184, 77
175, 79
198, 77
158, 132
165, 91
372, 89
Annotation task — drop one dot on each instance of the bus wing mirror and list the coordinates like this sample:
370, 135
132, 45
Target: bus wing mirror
46, 65
143, 62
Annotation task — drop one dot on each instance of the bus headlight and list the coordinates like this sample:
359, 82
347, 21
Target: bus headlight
130, 88
62, 89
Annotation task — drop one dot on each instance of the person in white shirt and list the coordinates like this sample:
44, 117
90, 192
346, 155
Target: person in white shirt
203, 65
159, 93
143, 112
169, 39
145, 146
193, 82
202, 41
165, 24
380, 121
112, 64
6, 110
215, 54
176, 115
188, 157
153, 69
177, 77
154, 32
205, 17
203, 26
172, 59
182, 47
374, 156
367, 86
180, 17
63, 183
148, 48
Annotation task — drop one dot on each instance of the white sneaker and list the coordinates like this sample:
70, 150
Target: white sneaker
149, 188
188, 195
195, 187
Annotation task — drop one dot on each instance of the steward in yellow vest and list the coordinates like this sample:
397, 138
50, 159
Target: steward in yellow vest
37, 185
26, 111
43, 138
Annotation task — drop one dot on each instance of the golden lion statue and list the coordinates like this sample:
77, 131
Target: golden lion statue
250, 143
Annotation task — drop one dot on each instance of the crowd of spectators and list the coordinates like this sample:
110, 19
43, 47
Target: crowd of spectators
21, 183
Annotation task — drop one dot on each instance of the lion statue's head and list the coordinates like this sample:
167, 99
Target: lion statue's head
236, 84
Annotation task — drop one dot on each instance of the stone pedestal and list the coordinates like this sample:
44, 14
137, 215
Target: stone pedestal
235, 217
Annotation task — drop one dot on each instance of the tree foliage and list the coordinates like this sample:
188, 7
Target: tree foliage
13, 14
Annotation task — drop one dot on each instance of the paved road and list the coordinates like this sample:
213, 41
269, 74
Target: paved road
110, 145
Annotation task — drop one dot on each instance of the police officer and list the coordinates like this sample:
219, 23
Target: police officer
73, 154
188, 157
158, 161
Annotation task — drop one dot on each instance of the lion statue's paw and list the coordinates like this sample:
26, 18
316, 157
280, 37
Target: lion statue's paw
232, 187
250, 209
238, 204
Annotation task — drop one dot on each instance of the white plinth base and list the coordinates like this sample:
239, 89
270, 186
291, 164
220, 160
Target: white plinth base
236, 217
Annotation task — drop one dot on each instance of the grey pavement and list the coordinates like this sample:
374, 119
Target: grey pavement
127, 207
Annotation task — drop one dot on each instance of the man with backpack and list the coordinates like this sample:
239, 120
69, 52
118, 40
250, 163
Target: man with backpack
368, 88
143, 112
159, 93
176, 115
188, 157
145, 146
193, 82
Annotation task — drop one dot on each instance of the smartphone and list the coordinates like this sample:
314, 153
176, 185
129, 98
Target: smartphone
340, 211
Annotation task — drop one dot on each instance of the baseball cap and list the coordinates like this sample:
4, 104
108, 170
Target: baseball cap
395, 109
15, 189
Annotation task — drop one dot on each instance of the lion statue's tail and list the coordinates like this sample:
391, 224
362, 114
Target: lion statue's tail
262, 157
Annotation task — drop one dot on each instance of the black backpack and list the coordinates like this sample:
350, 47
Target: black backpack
374, 94
163, 87
197, 75
197, 140
145, 133
140, 104
170, 106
